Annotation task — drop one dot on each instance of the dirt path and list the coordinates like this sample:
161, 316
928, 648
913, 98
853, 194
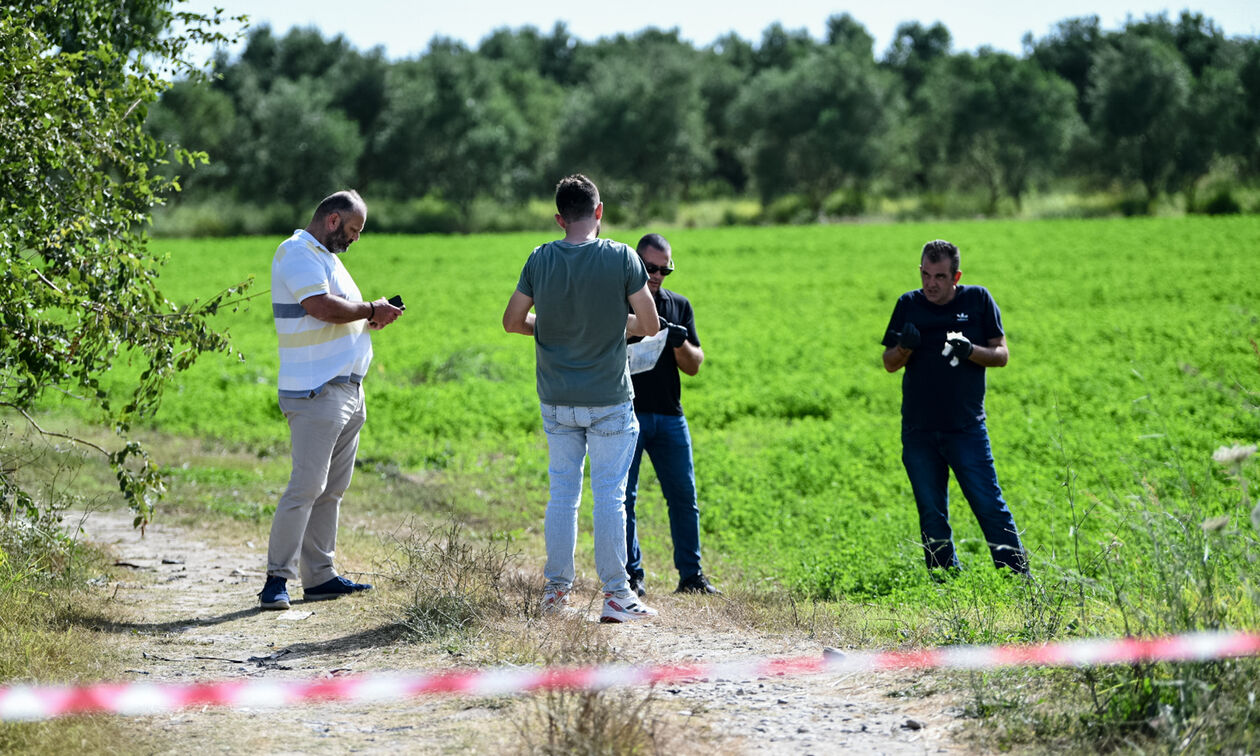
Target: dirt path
190, 614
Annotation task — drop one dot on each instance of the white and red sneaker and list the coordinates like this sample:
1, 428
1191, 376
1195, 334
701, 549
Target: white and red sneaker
555, 601
626, 608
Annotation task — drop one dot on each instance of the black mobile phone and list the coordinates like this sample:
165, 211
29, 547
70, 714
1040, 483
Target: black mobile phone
396, 301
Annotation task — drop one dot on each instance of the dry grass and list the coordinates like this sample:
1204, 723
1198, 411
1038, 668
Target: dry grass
478, 594
42, 640
594, 722
611, 721
452, 584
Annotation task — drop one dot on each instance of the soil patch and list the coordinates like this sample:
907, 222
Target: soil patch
190, 613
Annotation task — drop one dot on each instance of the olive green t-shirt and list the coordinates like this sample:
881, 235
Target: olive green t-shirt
580, 293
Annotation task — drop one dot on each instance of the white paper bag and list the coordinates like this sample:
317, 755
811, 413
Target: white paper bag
643, 355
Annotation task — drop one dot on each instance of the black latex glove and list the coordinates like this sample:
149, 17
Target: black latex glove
909, 338
677, 334
962, 347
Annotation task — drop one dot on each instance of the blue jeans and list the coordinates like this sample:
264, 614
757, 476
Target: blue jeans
667, 441
928, 457
608, 435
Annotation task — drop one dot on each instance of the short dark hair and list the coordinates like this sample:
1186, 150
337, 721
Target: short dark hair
576, 198
652, 240
340, 202
939, 249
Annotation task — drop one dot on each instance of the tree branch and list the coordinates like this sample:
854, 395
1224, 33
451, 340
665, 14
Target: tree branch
43, 432
50, 284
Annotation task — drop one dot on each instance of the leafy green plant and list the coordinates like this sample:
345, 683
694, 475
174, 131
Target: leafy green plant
79, 286
791, 208
794, 424
1174, 562
1221, 202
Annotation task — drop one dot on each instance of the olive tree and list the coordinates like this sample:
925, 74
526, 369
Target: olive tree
818, 127
999, 121
1139, 94
638, 125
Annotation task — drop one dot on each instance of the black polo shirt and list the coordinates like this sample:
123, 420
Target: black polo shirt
658, 390
936, 396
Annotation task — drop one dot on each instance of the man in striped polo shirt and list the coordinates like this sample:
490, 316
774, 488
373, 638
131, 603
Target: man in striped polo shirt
322, 326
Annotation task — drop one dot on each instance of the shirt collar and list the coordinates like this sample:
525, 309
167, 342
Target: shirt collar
302, 233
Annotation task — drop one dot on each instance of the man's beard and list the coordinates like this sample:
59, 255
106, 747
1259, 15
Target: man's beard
338, 241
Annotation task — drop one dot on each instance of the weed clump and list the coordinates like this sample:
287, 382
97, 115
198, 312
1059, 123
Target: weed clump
1173, 561
592, 722
604, 722
453, 586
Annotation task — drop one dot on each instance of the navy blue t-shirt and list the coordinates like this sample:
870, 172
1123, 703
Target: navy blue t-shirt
934, 395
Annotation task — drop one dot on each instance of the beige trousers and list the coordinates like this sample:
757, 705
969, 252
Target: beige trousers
325, 434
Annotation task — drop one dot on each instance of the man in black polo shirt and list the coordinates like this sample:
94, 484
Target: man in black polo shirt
663, 431
945, 335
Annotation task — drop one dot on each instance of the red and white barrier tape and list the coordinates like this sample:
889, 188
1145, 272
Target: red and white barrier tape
35, 702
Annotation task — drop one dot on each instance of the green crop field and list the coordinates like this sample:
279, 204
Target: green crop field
1131, 361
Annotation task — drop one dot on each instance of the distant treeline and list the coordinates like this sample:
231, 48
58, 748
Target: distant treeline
824, 125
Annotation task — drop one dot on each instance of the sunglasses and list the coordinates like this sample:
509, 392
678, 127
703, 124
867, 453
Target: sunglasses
658, 269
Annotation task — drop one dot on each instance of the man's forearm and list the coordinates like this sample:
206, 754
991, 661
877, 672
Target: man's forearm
517, 317
335, 309
987, 356
524, 326
642, 320
689, 356
637, 326
896, 357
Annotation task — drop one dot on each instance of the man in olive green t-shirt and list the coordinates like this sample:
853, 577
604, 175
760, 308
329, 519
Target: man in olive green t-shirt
587, 293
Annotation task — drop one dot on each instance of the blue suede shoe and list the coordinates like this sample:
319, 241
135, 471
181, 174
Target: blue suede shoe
335, 588
274, 595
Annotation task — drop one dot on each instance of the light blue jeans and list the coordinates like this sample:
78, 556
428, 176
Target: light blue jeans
608, 435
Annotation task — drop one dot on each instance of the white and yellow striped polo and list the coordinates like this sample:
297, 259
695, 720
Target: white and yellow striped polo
314, 353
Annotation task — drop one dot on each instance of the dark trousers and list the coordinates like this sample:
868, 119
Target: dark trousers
928, 457
667, 441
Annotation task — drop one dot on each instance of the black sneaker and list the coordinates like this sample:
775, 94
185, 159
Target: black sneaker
697, 583
636, 585
334, 588
274, 595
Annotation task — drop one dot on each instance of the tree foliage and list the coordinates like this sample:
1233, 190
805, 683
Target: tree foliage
1139, 91
299, 145
657, 120
915, 50
460, 126
1069, 51
639, 127
80, 288
818, 126
1001, 122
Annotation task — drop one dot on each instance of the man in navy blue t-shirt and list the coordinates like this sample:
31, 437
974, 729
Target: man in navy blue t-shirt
945, 335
